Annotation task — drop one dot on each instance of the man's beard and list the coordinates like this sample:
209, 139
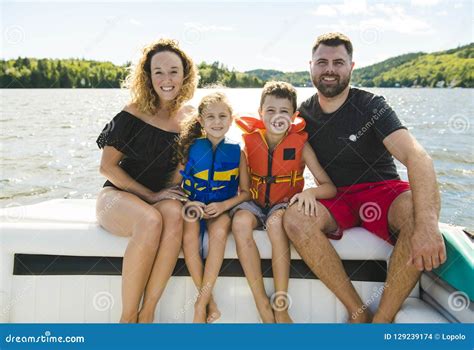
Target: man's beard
331, 90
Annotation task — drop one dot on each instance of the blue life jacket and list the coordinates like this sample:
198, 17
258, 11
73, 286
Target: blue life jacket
212, 175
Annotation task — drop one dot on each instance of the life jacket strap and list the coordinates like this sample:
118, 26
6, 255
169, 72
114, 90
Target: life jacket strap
293, 178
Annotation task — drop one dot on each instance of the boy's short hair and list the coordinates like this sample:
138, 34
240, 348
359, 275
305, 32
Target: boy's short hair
334, 39
279, 89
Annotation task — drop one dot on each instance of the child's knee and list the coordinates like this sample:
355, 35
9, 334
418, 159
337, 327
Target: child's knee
242, 221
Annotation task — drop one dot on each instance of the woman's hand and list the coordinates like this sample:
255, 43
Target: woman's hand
215, 209
307, 200
167, 193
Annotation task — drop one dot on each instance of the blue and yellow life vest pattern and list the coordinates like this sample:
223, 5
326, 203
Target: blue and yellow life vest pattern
211, 176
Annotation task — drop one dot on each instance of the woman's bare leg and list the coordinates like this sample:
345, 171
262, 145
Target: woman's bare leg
124, 214
280, 266
165, 261
243, 224
218, 229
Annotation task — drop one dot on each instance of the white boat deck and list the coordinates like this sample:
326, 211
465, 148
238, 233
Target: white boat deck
64, 235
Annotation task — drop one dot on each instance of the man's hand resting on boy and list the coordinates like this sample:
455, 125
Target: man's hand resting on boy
306, 200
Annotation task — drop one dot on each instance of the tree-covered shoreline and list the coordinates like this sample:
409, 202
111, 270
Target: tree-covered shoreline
450, 68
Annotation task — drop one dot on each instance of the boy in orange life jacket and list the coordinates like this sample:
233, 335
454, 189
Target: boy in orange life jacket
277, 152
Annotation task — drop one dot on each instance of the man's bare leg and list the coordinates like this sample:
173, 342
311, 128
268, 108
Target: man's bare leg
401, 278
307, 235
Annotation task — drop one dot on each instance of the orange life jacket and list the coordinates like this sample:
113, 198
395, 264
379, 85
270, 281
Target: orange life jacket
277, 175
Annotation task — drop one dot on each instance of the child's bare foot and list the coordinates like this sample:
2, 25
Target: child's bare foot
129, 318
199, 313
213, 312
363, 316
282, 317
266, 313
146, 316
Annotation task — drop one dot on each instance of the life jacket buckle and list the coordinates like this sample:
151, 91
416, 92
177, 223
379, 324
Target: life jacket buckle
269, 179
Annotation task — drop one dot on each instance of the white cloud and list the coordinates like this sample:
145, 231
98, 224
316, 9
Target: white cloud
325, 10
399, 22
424, 3
355, 7
135, 22
208, 28
382, 17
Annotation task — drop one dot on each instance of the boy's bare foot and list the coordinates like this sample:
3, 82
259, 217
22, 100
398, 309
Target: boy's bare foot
266, 313
282, 317
146, 316
213, 312
361, 317
199, 313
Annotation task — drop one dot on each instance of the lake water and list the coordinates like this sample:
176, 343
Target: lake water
48, 147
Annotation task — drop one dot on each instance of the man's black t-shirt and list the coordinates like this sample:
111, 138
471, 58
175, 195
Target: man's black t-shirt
348, 142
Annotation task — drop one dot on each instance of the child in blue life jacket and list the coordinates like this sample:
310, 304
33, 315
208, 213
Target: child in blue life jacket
212, 172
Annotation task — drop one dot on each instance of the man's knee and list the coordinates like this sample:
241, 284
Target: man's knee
401, 213
298, 225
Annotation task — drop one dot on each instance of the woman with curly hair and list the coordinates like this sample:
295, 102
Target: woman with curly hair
137, 160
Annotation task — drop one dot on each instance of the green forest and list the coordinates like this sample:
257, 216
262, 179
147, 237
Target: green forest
451, 68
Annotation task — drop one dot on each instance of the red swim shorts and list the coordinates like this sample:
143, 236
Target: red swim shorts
365, 205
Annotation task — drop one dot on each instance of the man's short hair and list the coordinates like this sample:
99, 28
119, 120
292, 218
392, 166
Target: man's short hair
334, 39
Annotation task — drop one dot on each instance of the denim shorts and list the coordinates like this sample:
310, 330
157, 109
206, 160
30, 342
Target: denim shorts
261, 214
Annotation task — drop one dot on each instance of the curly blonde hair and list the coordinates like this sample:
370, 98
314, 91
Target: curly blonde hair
191, 127
140, 84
